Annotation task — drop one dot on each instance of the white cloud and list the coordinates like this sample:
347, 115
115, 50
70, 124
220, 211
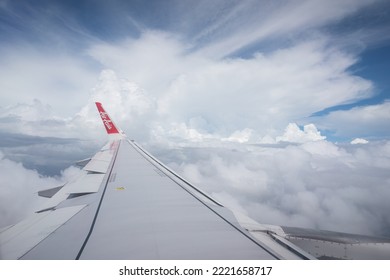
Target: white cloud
19, 187
294, 134
271, 90
359, 141
38, 119
61, 80
240, 136
365, 121
181, 81
127, 103
152, 61
199, 98
157, 80
34, 112
27, 117
261, 93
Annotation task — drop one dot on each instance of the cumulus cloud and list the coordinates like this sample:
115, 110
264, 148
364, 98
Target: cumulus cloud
181, 80
272, 90
294, 134
262, 93
27, 117
132, 107
167, 81
126, 101
359, 141
240, 136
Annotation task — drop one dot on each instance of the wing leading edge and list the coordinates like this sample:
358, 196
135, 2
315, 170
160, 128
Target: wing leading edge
128, 205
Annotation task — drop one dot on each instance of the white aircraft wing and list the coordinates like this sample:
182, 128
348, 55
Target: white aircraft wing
128, 205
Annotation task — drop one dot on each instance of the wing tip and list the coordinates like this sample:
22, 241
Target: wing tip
110, 126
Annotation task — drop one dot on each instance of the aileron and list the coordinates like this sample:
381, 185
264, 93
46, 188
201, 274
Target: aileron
21, 238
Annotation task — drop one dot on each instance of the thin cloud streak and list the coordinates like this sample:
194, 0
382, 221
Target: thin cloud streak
257, 22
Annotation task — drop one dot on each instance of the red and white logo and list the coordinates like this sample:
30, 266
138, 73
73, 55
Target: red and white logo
110, 127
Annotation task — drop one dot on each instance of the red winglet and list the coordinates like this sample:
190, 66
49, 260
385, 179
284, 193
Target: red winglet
108, 123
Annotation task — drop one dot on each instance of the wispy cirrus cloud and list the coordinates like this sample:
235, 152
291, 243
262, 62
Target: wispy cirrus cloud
255, 22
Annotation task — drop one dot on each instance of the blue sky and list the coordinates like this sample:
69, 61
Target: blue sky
290, 97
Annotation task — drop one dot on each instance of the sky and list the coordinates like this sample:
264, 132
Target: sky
279, 109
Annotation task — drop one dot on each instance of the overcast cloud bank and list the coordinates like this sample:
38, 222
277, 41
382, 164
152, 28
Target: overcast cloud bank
315, 184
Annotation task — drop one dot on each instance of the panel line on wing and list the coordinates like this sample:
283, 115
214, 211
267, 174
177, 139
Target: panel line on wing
23, 237
160, 165
100, 202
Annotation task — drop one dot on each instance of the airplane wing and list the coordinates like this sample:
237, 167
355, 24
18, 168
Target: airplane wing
128, 205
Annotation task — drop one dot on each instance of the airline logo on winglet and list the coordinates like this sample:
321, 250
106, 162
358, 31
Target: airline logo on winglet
106, 120
108, 124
